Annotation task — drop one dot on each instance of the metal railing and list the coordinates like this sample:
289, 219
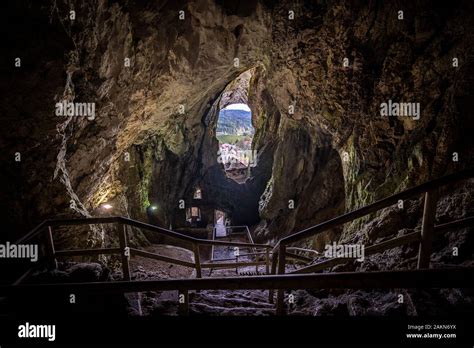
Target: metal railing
424, 238
124, 250
422, 277
237, 256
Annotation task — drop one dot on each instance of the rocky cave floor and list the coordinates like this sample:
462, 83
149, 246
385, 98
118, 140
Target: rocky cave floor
325, 302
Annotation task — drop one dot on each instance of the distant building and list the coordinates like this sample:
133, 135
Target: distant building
236, 170
197, 193
193, 215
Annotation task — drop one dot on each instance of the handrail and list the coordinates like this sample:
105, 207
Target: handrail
52, 254
388, 244
131, 222
158, 257
240, 255
303, 250
251, 240
355, 214
85, 221
430, 189
56, 222
250, 245
280, 250
220, 242
383, 203
158, 229
33, 232
457, 277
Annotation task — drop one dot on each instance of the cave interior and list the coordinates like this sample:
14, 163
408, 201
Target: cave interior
147, 82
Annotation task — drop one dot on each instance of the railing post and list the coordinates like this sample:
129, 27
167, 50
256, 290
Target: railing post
197, 260
183, 302
50, 248
125, 254
280, 310
267, 261
271, 292
427, 228
212, 246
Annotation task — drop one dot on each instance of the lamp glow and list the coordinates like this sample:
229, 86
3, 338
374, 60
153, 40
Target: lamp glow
107, 206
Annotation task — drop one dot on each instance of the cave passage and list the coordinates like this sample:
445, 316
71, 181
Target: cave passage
220, 223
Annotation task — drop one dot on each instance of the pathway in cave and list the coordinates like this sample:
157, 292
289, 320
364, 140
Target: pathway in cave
224, 302
206, 302
230, 253
232, 303
220, 228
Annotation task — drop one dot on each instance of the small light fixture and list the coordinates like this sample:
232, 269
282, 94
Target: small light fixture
107, 206
153, 207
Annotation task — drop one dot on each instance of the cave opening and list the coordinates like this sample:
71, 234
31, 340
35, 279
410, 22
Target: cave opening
235, 133
229, 179
224, 180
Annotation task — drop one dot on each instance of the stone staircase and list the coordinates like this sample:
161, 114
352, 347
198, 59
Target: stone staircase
208, 302
231, 303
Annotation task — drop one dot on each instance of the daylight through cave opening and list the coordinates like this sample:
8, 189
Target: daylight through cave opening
234, 129
235, 133
227, 176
